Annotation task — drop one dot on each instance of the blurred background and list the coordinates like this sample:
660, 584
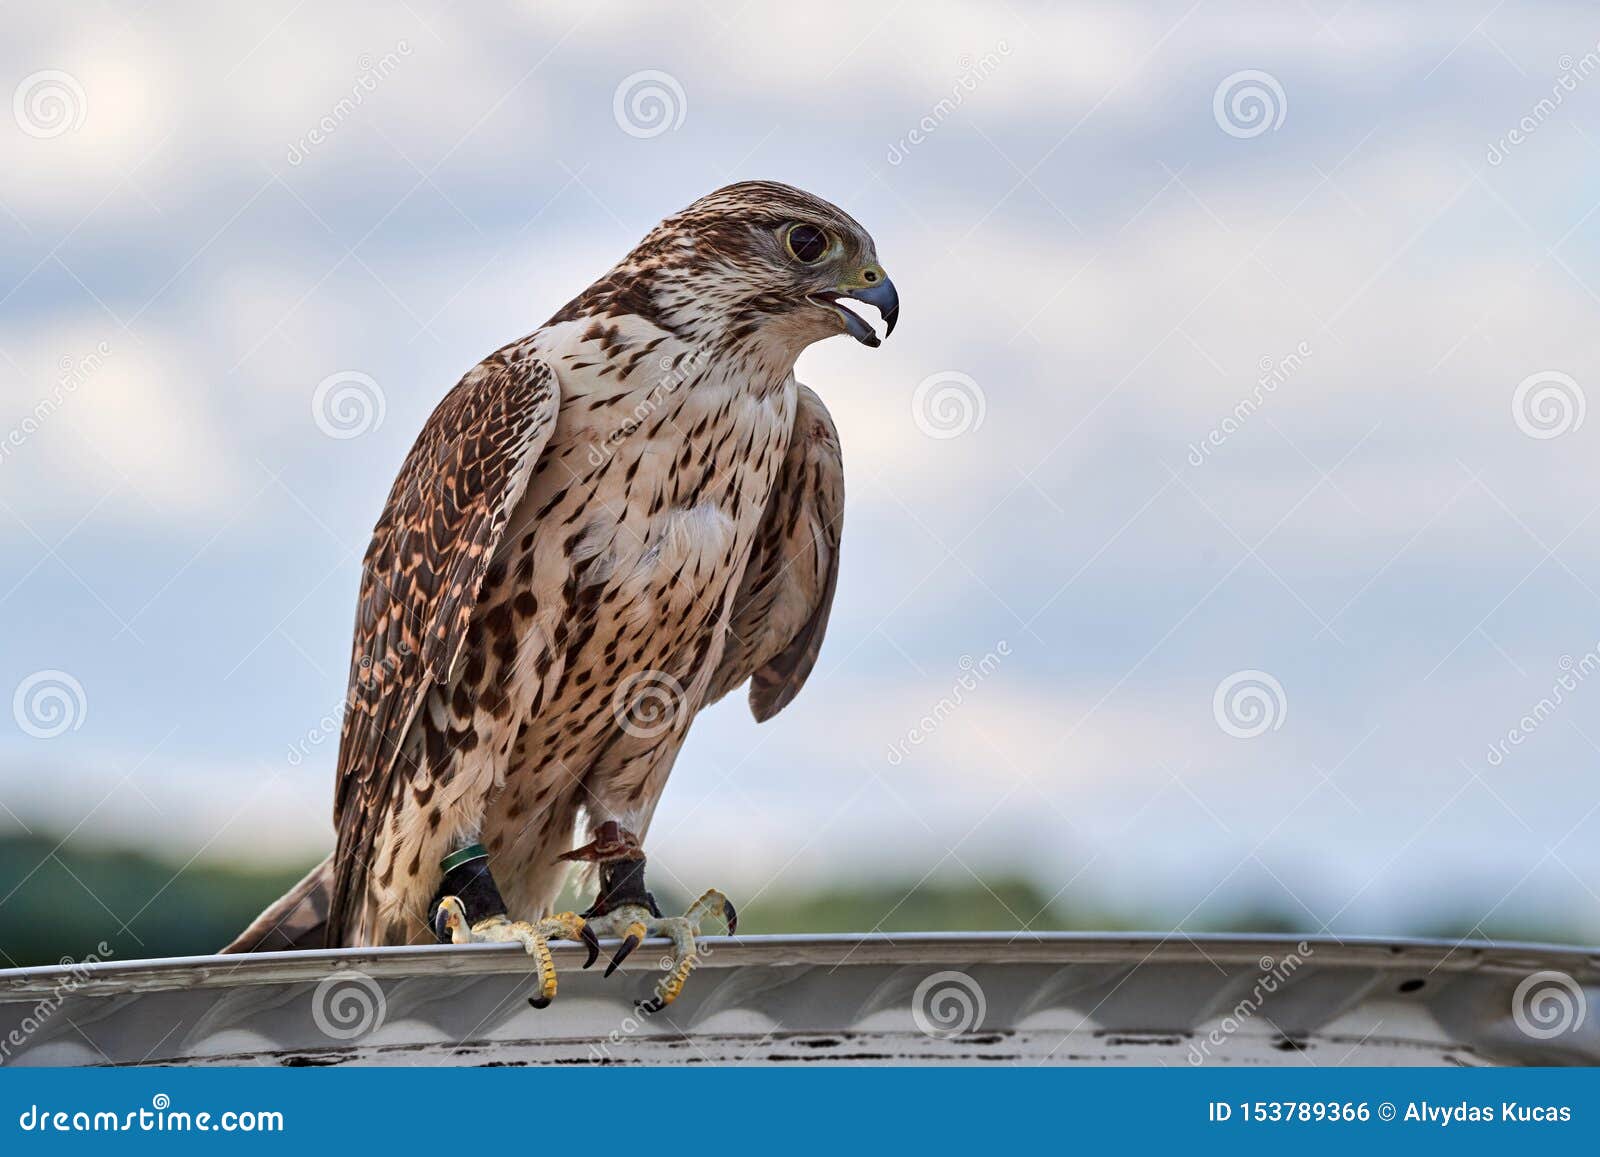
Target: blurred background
1221, 548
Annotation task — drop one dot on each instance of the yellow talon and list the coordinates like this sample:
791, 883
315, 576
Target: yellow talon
625, 908
450, 919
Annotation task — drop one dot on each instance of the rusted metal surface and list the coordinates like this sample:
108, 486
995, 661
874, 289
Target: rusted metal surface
907, 999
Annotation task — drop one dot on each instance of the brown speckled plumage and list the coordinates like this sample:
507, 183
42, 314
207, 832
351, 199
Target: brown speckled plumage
637, 495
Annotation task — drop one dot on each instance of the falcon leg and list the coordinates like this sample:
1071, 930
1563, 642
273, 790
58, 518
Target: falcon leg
627, 910
468, 910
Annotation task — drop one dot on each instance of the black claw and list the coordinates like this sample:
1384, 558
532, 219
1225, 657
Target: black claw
592, 943
731, 913
440, 931
653, 1005
628, 946
539, 1001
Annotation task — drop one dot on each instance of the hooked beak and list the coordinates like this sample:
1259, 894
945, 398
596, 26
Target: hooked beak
877, 291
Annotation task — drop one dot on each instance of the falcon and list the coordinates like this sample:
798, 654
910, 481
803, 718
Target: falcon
604, 527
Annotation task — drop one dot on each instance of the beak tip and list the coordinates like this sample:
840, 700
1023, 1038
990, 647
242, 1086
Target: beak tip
883, 297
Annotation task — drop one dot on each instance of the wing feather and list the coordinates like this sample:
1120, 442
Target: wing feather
781, 611
420, 580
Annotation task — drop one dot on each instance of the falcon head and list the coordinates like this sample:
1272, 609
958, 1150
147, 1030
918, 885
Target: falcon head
769, 260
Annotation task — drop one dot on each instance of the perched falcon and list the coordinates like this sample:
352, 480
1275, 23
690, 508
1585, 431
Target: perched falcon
604, 527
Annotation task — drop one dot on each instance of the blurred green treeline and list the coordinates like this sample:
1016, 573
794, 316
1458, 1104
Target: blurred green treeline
65, 901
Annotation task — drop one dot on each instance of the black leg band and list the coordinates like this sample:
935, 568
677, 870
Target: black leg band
622, 882
467, 878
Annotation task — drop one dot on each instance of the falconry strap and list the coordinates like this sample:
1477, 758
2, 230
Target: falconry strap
467, 878
622, 882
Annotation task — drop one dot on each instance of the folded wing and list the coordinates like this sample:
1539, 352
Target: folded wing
781, 611
419, 584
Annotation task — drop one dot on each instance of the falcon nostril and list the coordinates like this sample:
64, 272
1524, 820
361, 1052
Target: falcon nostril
869, 276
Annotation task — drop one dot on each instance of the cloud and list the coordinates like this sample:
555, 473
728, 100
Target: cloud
120, 89
482, 180
115, 420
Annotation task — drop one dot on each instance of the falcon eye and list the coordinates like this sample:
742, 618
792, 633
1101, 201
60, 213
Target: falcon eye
807, 244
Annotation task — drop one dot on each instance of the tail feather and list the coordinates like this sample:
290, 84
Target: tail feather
297, 919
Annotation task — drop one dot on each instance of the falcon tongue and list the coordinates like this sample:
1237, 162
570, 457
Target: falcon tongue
856, 323
881, 296
880, 293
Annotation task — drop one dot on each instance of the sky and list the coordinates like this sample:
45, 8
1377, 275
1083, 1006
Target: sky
1222, 521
